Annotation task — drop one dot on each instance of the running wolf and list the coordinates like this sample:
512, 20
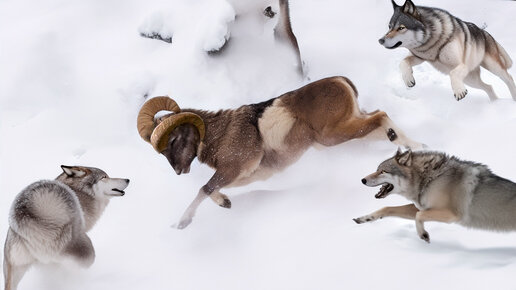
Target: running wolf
444, 189
49, 219
452, 46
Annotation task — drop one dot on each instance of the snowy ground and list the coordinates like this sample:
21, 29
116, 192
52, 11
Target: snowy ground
73, 75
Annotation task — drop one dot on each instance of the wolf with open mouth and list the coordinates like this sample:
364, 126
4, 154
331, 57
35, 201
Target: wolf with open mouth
445, 189
49, 220
454, 47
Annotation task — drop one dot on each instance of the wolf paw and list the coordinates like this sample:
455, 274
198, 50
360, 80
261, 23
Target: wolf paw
460, 94
409, 81
365, 219
408, 77
425, 236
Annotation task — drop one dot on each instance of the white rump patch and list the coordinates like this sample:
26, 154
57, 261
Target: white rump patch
274, 125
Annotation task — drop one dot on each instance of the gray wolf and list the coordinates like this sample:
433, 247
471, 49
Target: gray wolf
49, 219
444, 189
452, 46
254, 141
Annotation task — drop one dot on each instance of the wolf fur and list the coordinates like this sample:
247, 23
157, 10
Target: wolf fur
49, 219
452, 46
444, 189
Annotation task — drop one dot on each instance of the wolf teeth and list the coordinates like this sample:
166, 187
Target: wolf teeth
384, 190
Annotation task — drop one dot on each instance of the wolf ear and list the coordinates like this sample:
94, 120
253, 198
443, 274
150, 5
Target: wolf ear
394, 5
72, 171
404, 158
410, 8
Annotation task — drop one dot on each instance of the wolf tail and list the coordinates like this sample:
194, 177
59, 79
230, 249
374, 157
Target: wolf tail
497, 51
504, 56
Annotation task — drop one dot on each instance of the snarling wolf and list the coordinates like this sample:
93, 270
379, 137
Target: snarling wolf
254, 141
444, 189
49, 219
452, 46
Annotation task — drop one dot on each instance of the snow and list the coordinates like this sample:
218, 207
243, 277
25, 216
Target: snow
73, 75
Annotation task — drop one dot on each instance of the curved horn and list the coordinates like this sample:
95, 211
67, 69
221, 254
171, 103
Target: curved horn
160, 135
145, 123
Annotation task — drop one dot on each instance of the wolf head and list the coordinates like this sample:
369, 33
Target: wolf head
406, 28
92, 181
393, 174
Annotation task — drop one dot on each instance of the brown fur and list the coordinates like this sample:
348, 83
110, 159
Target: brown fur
254, 141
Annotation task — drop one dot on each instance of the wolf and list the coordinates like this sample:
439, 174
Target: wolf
49, 219
452, 46
444, 189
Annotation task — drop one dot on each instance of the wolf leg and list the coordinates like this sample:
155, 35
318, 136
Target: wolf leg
474, 80
457, 76
494, 66
407, 211
17, 260
221, 178
81, 250
406, 69
15, 274
437, 215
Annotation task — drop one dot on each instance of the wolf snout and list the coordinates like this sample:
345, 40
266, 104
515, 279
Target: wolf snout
364, 181
381, 41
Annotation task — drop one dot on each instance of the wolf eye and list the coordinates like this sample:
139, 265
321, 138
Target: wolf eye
401, 27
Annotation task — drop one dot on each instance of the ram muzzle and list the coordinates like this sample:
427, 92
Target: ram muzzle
158, 134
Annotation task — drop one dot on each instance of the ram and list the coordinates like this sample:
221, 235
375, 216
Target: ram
254, 141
